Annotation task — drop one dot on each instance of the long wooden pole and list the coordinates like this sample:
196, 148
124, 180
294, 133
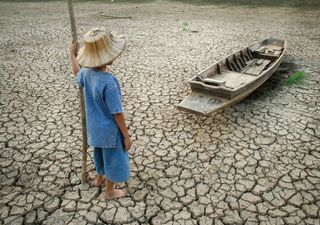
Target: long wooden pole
84, 172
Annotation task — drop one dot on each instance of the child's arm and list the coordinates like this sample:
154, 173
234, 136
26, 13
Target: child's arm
121, 122
73, 56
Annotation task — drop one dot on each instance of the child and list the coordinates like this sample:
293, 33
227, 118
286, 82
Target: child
106, 127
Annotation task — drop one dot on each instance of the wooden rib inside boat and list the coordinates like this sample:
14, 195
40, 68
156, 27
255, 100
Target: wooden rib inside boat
233, 78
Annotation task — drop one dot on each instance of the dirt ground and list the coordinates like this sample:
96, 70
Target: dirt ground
257, 162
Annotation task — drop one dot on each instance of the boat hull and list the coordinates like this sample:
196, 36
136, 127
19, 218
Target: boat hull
206, 99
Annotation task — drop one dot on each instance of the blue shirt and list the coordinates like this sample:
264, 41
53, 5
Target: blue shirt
103, 100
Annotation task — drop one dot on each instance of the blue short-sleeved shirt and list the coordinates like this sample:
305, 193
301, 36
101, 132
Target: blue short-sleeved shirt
103, 100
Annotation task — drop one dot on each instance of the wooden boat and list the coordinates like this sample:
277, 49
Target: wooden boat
233, 78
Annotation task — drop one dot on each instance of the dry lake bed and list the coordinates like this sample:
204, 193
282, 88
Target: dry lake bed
257, 162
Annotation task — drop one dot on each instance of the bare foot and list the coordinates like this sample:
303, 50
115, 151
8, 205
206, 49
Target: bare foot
115, 193
99, 180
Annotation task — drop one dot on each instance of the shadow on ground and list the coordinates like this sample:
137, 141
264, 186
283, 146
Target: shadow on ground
276, 82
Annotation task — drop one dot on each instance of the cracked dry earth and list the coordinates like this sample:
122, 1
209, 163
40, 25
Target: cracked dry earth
254, 163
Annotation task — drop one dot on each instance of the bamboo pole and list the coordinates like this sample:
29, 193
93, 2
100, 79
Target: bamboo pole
84, 172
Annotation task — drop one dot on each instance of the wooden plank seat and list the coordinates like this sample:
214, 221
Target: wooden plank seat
269, 50
239, 80
257, 68
214, 81
231, 79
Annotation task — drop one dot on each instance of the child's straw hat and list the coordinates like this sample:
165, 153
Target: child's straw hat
99, 48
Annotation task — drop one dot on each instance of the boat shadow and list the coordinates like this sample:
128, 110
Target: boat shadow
275, 82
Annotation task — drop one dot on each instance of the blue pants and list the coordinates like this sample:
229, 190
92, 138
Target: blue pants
113, 162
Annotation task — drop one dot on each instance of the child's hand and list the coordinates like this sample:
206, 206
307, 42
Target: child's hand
73, 48
127, 143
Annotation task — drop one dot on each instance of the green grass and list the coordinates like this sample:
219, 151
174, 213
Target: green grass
185, 26
296, 78
276, 83
266, 93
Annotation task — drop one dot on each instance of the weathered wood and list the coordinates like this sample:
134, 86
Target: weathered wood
201, 103
214, 81
84, 173
238, 75
258, 67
